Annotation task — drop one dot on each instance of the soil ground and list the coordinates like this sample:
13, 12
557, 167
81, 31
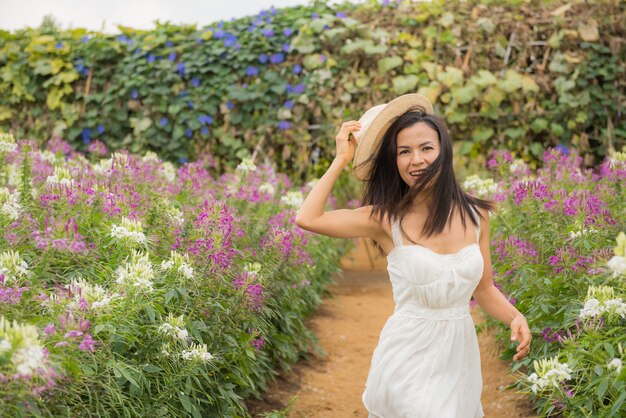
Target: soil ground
348, 326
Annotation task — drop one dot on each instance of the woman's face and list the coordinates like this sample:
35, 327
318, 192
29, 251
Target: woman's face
417, 148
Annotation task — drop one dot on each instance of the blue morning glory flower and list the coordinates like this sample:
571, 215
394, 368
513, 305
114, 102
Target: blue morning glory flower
84, 39
284, 124
268, 33
172, 56
183, 93
190, 104
137, 51
204, 131
183, 160
163, 121
188, 133
237, 46
100, 129
134, 94
59, 45
298, 89
263, 13
288, 88
122, 38
199, 41
286, 47
218, 34
314, 15
168, 44
563, 148
273, 10
262, 58
287, 31
277, 58
252, 70
230, 105
181, 69
288, 104
341, 15
220, 24
195, 82
297, 68
150, 59
229, 40
205, 119
251, 28
323, 58
86, 135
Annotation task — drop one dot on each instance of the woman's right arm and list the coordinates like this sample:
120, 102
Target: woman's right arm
342, 223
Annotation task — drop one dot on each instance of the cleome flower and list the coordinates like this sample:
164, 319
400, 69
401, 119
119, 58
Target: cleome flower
169, 171
180, 264
616, 364
96, 296
7, 143
617, 263
9, 204
246, 166
548, 373
600, 300
197, 352
173, 327
130, 231
12, 266
482, 187
61, 177
137, 273
293, 199
22, 346
267, 188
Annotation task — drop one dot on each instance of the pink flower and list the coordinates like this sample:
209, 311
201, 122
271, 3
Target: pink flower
88, 343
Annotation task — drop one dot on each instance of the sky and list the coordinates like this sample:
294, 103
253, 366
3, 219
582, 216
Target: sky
139, 14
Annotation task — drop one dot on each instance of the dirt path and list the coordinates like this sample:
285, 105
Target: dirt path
348, 326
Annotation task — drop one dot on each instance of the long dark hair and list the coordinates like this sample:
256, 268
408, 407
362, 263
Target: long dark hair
392, 198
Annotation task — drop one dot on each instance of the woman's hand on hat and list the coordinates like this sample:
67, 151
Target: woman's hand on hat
346, 144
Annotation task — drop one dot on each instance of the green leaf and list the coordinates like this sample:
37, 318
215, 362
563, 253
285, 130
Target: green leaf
151, 368
404, 83
389, 63
311, 62
536, 149
481, 135
185, 402
515, 133
375, 49
512, 81
465, 94
484, 78
539, 125
451, 77
466, 148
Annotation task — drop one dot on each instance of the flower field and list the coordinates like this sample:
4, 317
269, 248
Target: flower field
559, 254
131, 288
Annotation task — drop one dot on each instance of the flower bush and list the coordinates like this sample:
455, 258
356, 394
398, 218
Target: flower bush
559, 257
131, 288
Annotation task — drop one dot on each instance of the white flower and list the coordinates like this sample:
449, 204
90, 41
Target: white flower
267, 188
28, 359
180, 263
7, 143
12, 266
169, 171
293, 199
517, 165
549, 372
173, 327
103, 167
581, 232
95, 295
617, 265
616, 306
9, 205
246, 166
150, 156
5, 346
28, 355
175, 215
591, 309
138, 273
197, 352
129, 231
616, 364
483, 187
61, 177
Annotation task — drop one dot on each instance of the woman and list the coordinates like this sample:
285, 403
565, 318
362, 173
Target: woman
426, 363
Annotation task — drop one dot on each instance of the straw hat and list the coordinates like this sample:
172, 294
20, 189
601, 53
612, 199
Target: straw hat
374, 124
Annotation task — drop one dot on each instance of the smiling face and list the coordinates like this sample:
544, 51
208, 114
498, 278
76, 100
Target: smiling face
417, 148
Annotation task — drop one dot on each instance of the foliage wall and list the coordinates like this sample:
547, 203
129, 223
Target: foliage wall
518, 74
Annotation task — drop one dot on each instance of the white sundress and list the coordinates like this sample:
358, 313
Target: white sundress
427, 362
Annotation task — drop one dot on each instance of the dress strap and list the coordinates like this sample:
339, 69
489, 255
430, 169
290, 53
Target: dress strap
477, 228
396, 234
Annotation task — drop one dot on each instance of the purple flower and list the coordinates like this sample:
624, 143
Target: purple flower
84, 39
168, 44
188, 133
195, 82
297, 68
88, 344
252, 70
163, 121
258, 343
262, 58
190, 104
181, 69
204, 131
205, 119
564, 149
49, 329
299, 88
268, 33
134, 94
288, 104
230, 105
314, 15
59, 45
341, 15
183, 160
277, 58
86, 135
323, 58
218, 34
287, 31
151, 58
172, 56
229, 40
286, 47
100, 129
284, 124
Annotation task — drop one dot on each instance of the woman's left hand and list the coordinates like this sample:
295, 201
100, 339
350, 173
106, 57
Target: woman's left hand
520, 332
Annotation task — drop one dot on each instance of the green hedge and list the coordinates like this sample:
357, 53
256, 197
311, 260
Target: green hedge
523, 75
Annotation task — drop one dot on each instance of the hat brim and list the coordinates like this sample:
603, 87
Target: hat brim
369, 138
